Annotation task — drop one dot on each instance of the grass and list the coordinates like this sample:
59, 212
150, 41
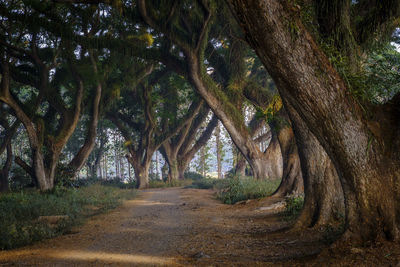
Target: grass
19, 212
205, 183
236, 189
174, 183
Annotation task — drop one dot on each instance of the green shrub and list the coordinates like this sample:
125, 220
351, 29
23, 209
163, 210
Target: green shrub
174, 183
294, 205
193, 176
118, 182
19, 179
205, 183
235, 189
19, 212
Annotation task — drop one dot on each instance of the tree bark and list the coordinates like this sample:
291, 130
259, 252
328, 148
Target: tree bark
273, 158
4, 183
237, 130
208, 90
81, 157
185, 147
170, 154
324, 200
218, 145
240, 167
364, 150
43, 165
292, 180
141, 172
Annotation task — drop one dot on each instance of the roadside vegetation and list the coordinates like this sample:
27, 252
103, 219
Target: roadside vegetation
29, 216
234, 188
293, 207
173, 183
237, 189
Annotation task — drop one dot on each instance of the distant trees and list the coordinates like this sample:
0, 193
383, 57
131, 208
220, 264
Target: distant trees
179, 150
153, 119
227, 58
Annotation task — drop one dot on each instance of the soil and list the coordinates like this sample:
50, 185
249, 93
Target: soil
189, 227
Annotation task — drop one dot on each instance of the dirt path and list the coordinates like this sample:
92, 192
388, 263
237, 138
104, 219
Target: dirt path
185, 227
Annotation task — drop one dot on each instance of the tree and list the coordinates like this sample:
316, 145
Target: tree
282, 136
203, 160
193, 43
218, 148
50, 55
181, 149
7, 134
151, 120
44, 165
360, 139
324, 202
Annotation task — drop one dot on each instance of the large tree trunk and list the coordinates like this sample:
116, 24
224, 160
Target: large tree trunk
365, 151
142, 176
171, 157
173, 173
240, 166
141, 172
292, 180
43, 165
273, 158
324, 201
182, 169
45, 181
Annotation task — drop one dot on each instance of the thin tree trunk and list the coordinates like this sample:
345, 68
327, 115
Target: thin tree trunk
203, 161
186, 154
4, 173
219, 150
116, 158
105, 167
129, 172
157, 170
90, 141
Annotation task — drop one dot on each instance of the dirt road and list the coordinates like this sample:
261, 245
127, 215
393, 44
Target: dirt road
178, 227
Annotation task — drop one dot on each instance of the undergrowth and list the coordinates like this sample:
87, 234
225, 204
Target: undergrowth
235, 189
174, 183
204, 183
20, 212
294, 205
